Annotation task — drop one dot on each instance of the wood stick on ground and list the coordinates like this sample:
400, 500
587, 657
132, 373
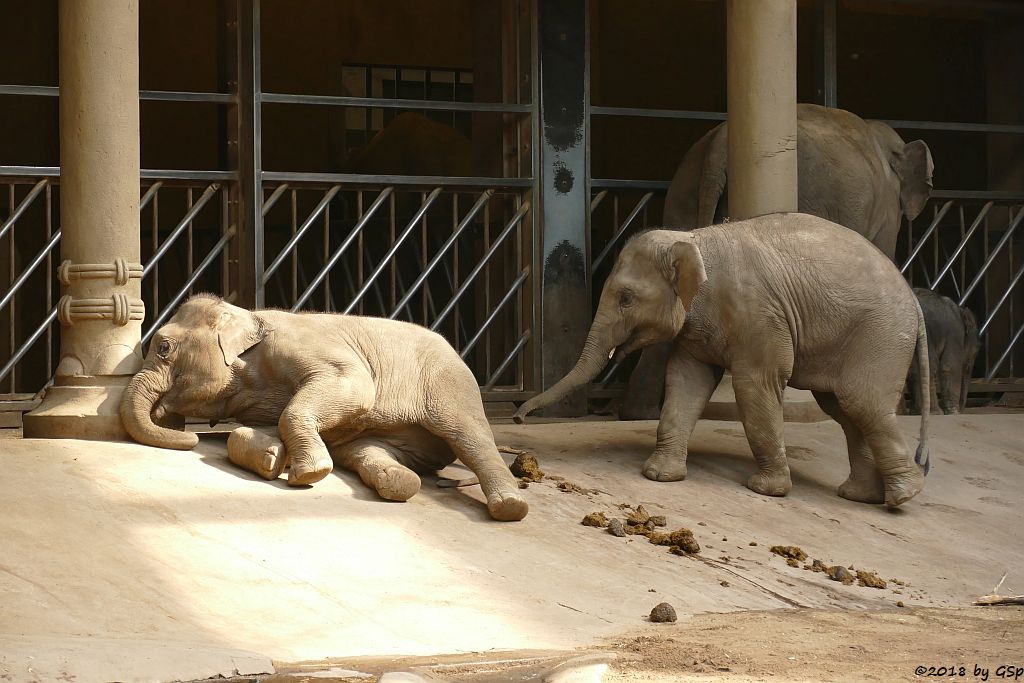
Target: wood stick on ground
994, 598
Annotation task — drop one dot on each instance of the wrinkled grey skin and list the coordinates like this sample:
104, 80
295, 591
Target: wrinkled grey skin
952, 347
384, 398
857, 173
780, 299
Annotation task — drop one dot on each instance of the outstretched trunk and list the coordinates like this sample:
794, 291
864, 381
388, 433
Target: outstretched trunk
137, 404
592, 361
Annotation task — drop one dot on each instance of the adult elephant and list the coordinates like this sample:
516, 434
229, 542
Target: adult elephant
859, 174
383, 398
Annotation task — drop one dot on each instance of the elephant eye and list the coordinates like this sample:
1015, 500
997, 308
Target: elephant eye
164, 349
626, 298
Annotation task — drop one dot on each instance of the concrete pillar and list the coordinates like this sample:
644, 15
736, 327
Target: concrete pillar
101, 310
761, 72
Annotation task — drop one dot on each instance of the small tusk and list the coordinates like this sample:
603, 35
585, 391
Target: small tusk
611, 353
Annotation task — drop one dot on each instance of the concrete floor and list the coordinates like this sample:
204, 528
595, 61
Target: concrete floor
128, 562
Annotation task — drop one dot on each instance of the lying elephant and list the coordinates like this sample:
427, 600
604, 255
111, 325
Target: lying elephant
859, 174
952, 347
780, 299
383, 398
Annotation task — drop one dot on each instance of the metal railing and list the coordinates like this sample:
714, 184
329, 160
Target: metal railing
182, 218
451, 254
971, 249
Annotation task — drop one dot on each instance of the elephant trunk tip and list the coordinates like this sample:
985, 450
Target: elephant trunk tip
519, 418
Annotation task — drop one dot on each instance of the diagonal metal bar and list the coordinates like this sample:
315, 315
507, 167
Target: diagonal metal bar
480, 202
516, 350
150, 193
927, 233
618, 234
497, 309
28, 343
214, 253
991, 373
339, 252
30, 269
999, 304
992, 257
181, 227
386, 259
963, 243
513, 222
272, 199
23, 205
306, 225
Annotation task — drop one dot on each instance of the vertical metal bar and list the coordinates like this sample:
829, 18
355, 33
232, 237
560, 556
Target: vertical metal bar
295, 250
11, 260
49, 281
564, 125
155, 241
328, 294
825, 53
249, 156
360, 249
189, 203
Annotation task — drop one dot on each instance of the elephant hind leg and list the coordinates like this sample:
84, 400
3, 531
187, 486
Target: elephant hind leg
379, 465
864, 484
902, 477
471, 440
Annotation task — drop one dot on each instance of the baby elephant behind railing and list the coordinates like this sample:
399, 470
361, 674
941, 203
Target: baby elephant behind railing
952, 347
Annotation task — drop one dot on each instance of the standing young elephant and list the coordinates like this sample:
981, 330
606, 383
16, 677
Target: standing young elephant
780, 299
384, 398
952, 347
859, 174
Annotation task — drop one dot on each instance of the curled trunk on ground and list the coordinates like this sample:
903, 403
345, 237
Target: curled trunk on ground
592, 361
140, 397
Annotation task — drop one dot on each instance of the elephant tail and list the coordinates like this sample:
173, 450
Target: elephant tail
922, 390
712, 178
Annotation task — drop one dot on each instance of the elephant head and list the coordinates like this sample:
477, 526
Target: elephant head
645, 300
188, 370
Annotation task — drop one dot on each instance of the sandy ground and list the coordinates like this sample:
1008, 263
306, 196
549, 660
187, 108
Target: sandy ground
125, 562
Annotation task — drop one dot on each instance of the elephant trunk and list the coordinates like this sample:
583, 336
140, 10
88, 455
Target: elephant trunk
593, 359
140, 396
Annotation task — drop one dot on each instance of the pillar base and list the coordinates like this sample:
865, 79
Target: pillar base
798, 405
79, 408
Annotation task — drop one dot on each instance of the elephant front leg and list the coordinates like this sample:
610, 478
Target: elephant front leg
759, 400
689, 384
319, 405
257, 452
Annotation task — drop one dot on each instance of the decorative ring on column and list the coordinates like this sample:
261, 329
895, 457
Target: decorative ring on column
120, 270
118, 308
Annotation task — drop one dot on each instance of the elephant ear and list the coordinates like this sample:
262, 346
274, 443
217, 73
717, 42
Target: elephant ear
688, 265
238, 330
913, 164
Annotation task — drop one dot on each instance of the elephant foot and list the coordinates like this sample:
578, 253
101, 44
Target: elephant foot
507, 506
662, 467
309, 468
863, 490
256, 452
771, 482
902, 487
631, 411
396, 482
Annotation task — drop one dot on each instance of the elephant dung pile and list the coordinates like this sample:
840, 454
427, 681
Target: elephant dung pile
638, 522
846, 575
526, 467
